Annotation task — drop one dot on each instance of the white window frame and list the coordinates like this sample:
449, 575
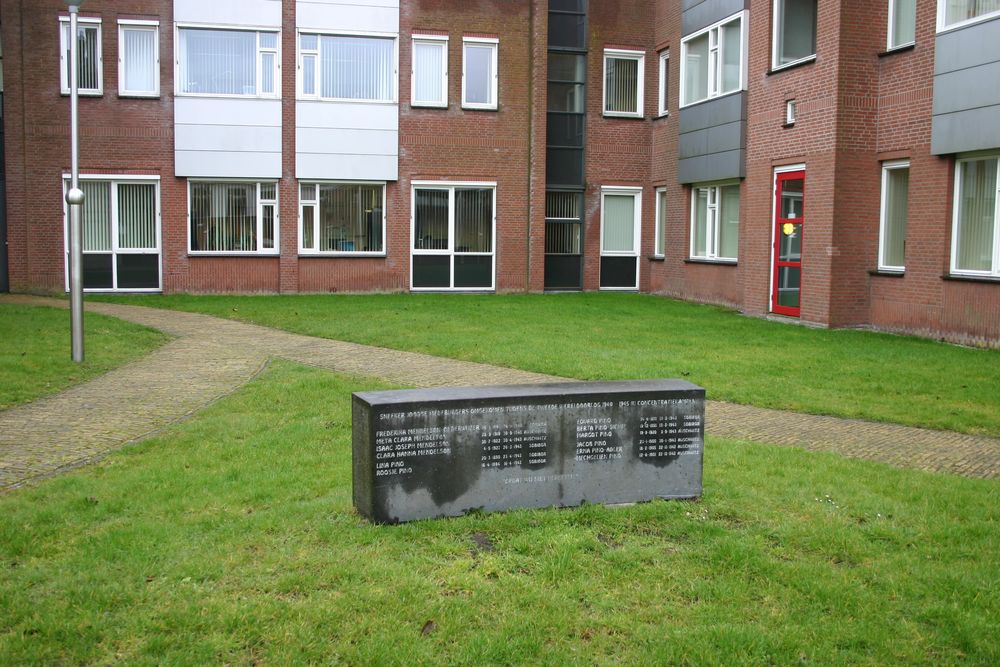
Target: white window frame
495, 89
713, 221
886, 168
442, 41
636, 194
114, 180
64, 83
317, 87
662, 98
956, 199
889, 46
791, 108
315, 252
942, 12
450, 187
660, 224
775, 19
268, 252
146, 26
625, 54
716, 60
276, 95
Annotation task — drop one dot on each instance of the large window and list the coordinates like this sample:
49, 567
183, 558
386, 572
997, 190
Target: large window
902, 23
957, 12
479, 73
895, 209
623, 83
715, 222
453, 229
342, 67
429, 83
227, 62
138, 58
976, 237
621, 213
233, 217
120, 225
794, 31
89, 65
342, 218
712, 61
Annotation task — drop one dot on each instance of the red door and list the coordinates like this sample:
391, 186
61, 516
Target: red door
789, 214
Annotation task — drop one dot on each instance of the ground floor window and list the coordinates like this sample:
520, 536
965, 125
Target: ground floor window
563, 240
342, 218
895, 209
621, 211
120, 234
715, 222
453, 231
976, 237
233, 217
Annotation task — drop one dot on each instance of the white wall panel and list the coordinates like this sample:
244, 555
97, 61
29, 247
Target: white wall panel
208, 164
347, 167
352, 15
227, 138
340, 140
229, 12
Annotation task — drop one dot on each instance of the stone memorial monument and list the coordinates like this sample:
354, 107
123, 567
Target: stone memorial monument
442, 452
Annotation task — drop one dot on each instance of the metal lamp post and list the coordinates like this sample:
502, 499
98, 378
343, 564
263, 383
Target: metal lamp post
75, 196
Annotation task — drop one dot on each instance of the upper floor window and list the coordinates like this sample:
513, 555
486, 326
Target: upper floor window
139, 58
479, 73
712, 61
902, 22
342, 67
664, 78
957, 12
975, 243
715, 222
429, 82
235, 217
794, 31
227, 62
89, 62
894, 213
623, 83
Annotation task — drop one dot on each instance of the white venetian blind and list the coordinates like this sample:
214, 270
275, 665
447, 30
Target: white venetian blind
224, 217
136, 216
96, 219
88, 56
356, 68
428, 69
621, 85
139, 59
977, 206
619, 223
221, 62
479, 73
896, 210
962, 10
729, 221
474, 220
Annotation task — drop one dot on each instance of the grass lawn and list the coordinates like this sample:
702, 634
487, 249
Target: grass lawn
35, 352
629, 336
231, 539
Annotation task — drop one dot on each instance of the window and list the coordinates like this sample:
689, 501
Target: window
121, 233
139, 58
791, 106
429, 82
794, 31
621, 210
895, 204
233, 217
975, 238
452, 232
479, 73
341, 67
227, 62
661, 104
715, 222
659, 240
89, 65
958, 12
712, 61
902, 22
342, 218
623, 83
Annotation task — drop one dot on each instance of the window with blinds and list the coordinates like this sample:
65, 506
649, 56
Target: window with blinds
954, 12
623, 83
429, 85
453, 244
227, 62
715, 222
894, 212
138, 60
976, 237
341, 67
342, 218
479, 73
89, 65
233, 217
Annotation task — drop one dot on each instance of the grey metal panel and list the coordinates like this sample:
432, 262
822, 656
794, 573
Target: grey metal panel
967, 47
718, 139
712, 167
971, 130
703, 14
969, 88
719, 111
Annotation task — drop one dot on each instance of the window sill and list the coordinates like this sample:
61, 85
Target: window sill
416, 105
787, 125
665, 114
971, 279
795, 65
84, 93
897, 49
138, 96
888, 273
718, 262
656, 258
194, 253
339, 255
468, 108
624, 116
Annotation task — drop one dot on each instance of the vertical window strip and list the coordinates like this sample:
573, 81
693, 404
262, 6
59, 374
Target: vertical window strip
902, 25
659, 243
88, 66
976, 223
136, 216
474, 220
431, 219
429, 63
619, 223
139, 59
895, 205
96, 219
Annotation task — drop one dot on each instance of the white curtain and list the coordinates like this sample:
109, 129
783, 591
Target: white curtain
729, 221
88, 60
897, 185
139, 59
961, 10
700, 231
696, 69
96, 220
474, 220
904, 17
732, 56
222, 62
977, 208
136, 216
356, 68
479, 74
428, 69
621, 85
619, 223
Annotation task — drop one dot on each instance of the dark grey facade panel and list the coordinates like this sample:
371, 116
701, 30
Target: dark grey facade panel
718, 139
720, 111
698, 15
966, 110
712, 167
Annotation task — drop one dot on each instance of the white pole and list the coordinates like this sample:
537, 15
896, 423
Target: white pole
75, 197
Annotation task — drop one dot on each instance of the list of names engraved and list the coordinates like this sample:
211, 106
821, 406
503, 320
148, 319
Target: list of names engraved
668, 436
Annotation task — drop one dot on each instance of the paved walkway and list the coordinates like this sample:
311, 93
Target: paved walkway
211, 357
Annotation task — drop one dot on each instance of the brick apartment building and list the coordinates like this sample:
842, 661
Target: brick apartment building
831, 161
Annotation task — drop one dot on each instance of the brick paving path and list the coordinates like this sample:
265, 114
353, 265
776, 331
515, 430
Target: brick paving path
211, 357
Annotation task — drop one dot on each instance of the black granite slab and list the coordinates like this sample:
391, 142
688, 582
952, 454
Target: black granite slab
442, 452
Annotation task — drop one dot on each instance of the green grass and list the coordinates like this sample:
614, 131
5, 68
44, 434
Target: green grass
231, 539
621, 336
35, 357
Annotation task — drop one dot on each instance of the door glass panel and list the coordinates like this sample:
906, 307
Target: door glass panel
790, 247
791, 198
136, 216
431, 220
474, 220
96, 219
789, 283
